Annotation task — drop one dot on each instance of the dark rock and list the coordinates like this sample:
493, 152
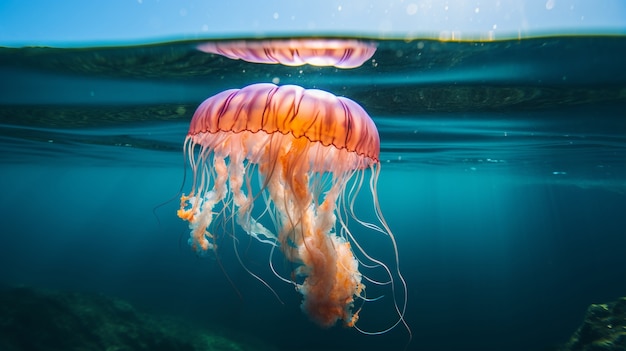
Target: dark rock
603, 329
43, 320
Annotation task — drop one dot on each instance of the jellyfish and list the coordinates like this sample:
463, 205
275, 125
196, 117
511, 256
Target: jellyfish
340, 53
304, 155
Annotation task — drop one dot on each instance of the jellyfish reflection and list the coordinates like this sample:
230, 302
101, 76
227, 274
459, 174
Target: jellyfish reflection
340, 53
306, 146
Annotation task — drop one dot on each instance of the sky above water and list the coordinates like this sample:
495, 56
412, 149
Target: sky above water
74, 22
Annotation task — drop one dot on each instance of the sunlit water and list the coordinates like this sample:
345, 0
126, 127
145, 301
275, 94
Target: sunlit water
503, 179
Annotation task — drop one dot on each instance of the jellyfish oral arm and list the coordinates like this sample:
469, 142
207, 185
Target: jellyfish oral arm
200, 214
330, 271
245, 204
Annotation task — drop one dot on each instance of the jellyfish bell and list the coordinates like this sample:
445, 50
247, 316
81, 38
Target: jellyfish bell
340, 53
305, 147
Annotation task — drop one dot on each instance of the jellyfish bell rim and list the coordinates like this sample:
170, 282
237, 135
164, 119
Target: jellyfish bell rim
320, 52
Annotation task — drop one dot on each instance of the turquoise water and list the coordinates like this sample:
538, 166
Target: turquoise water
503, 179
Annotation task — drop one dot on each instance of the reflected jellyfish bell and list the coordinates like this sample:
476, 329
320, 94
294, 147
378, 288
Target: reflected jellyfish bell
303, 154
340, 53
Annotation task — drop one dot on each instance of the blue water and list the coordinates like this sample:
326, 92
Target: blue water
503, 179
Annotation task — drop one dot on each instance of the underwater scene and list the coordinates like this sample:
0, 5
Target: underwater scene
314, 193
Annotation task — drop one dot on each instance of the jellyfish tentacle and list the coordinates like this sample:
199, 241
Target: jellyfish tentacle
266, 284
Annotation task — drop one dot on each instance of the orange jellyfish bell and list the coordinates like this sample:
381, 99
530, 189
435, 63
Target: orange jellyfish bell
304, 146
340, 53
